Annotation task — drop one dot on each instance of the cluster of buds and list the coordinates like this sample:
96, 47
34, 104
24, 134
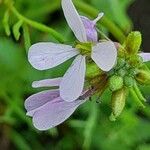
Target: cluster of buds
97, 66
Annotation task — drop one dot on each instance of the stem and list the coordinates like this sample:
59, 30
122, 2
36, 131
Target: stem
92, 12
90, 125
37, 25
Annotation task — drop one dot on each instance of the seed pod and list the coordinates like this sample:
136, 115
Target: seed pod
143, 77
118, 103
115, 83
133, 43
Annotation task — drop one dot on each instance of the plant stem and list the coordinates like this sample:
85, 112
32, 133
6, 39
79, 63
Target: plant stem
37, 25
92, 12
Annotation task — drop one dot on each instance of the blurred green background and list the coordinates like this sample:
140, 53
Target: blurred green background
89, 127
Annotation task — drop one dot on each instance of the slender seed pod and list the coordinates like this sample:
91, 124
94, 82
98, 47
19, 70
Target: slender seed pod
118, 102
143, 77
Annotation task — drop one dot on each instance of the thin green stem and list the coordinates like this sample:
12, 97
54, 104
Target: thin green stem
37, 25
92, 12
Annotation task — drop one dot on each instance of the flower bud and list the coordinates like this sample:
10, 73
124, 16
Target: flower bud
143, 77
133, 43
118, 103
120, 63
115, 83
128, 81
92, 70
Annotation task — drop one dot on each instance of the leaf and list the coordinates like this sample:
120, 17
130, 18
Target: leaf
26, 36
16, 29
6, 23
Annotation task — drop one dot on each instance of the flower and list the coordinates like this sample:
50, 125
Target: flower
145, 56
47, 108
48, 55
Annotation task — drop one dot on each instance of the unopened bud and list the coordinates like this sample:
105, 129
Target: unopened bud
133, 43
143, 77
115, 83
92, 70
120, 63
128, 81
118, 103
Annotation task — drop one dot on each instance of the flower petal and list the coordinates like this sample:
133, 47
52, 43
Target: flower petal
91, 32
145, 56
104, 55
48, 55
54, 113
34, 102
73, 81
90, 26
47, 83
74, 21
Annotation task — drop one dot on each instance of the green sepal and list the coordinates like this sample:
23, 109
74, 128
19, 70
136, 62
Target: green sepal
133, 43
115, 82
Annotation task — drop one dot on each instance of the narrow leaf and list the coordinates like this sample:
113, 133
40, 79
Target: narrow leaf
16, 29
26, 35
6, 23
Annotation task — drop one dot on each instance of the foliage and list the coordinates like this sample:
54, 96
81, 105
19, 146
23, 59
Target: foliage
89, 127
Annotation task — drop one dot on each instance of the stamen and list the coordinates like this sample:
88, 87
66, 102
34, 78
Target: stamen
100, 15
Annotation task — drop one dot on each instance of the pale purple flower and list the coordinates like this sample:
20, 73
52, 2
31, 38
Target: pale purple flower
47, 108
48, 55
145, 56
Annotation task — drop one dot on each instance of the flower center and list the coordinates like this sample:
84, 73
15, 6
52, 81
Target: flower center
84, 48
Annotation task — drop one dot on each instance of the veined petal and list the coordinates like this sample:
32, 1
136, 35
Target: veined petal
46, 55
73, 81
47, 83
74, 21
91, 32
36, 101
54, 113
145, 56
104, 54
90, 27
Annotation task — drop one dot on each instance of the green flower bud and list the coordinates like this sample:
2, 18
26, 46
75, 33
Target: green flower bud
128, 81
133, 43
120, 63
133, 72
118, 103
121, 72
92, 70
115, 83
136, 61
143, 77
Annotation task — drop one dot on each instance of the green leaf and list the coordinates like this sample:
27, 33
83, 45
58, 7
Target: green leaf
16, 29
6, 22
26, 36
